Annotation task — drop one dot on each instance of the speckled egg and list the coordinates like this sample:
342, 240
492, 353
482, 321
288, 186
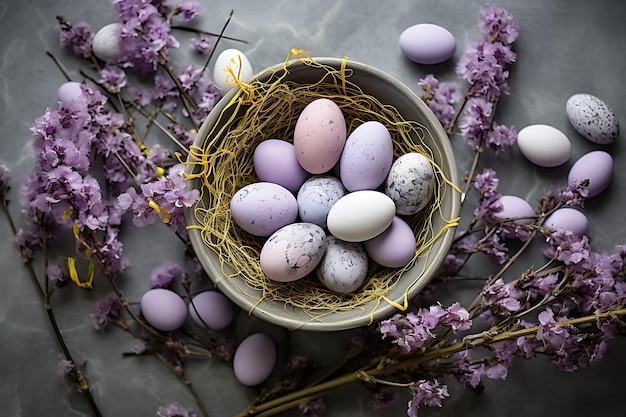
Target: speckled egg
211, 309
367, 157
275, 161
163, 309
394, 247
316, 196
261, 208
360, 215
293, 251
319, 136
107, 44
592, 118
410, 183
568, 218
254, 359
596, 167
343, 267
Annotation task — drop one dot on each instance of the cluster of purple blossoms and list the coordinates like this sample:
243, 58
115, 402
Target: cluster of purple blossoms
164, 275
104, 310
426, 392
79, 37
441, 97
411, 331
501, 298
175, 410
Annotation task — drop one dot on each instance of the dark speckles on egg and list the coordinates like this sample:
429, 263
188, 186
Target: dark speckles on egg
410, 183
592, 118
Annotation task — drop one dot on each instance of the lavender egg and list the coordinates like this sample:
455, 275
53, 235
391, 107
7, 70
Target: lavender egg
69, 92
254, 359
261, 208
316, 197
427, 43
163, 309
292, 252
596, 167
367, 157
568, 218
513, 207
592, 118
343, 267
394, 247
275, 161
211, 309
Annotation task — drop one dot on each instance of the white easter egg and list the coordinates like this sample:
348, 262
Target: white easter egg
360, 215
544, 145
231, 65
343, 267
107, 44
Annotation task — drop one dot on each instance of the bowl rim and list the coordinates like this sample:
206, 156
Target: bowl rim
253, 305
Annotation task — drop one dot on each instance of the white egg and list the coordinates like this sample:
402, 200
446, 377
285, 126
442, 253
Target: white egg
231, 65
360, 215
544, 145
343, 267
107, 44
410, 183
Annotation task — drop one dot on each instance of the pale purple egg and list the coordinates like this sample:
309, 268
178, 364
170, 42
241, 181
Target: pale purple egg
261, 208
568, 218
427, 43
394, 247
513, 207
275, 161
211, 309
316, 197
69, 92
367, 157
595, 166
254, 359
163, 309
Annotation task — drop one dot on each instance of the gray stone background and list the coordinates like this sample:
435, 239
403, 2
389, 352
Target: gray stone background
565, 47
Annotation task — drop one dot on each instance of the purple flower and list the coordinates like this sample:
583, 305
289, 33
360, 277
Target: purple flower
58, 274
187, 10
497, 24
165, 274
482, 65
189, 77
202, 44
78, 36
493, 245
106, 308
466, 370
175, 410
113, 78
500, 138
569, 247
575, 194
427, 392
457, 317
550, 332
539, 287
440, 97
67, 368
476, 121
313, 408
501, 298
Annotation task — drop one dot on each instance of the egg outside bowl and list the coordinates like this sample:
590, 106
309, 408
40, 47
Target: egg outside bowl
220, 162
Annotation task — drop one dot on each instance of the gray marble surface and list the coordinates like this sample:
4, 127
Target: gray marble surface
565, 47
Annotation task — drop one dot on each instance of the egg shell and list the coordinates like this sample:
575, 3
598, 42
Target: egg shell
513, 207
261, 208
592, 118
211, 309
69, 92
107, 44
254, 359
275, 161
367, 157
163, 309
319, 136
394, 247
316, 196
544, 145
410, 183
427, 43
343, 267
231, 65
595, 166
361, 215
568, 218
292, 252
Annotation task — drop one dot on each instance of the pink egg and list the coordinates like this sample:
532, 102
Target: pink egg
394, 247
568, 218
595, 166
275, 161
254, 359
319, 136
163, 309
427, 43
211, 309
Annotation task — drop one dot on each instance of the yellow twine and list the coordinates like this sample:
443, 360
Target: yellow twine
163, 214
270, 109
